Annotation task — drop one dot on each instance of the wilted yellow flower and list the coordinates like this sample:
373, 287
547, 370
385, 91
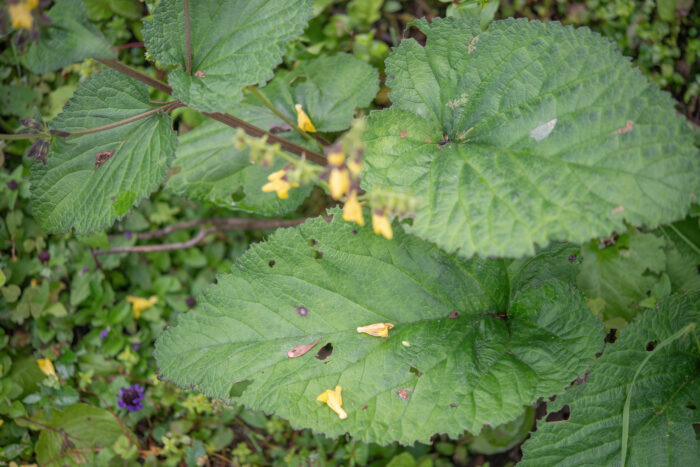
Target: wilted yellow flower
334, 401
339, 183
46, 366
20, 14
303, 120
278, 182
381, 225
139, 304
376, 329
352, 210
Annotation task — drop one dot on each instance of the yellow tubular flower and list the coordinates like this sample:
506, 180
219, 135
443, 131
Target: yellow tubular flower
278, 183
339, 183
352, 210
46, 366
139, 304
303, 120
334, 401
336, 158
381, 225
376, 329
20, 14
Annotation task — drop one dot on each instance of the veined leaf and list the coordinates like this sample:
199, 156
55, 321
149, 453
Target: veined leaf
209, 168
84, 426
623, 274
453, 360
664, 399
72, 191
551, 134
329, 90
683, 253
70, 38
234, 43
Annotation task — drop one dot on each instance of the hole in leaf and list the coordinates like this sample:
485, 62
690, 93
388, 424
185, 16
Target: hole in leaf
271, 263
416, 371
611, 337
317, 254
572, 258
354, 231
238, 388
453, 405
651, 346
691, 406
312, 242
560, 416
325, 351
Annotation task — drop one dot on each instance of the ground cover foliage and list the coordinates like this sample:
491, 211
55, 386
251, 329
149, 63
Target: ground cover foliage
469, 234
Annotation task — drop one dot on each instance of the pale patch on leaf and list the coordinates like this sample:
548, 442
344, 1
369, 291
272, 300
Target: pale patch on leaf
544, 130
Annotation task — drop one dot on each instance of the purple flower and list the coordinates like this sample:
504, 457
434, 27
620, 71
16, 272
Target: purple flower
130, 398
128, 234
136, 345
104, 332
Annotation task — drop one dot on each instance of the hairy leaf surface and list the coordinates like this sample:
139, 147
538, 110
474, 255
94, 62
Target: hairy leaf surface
663, 404
70, 38
70, 192
551, 134
234, 43
452, 362
209, 168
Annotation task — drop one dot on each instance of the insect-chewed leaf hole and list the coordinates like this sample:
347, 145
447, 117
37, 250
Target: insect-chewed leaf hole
317, 254
559, 416
651, 346
325, 351
271, 263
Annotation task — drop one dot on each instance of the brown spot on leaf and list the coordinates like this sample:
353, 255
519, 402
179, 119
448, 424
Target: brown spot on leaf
403, 393
200, 74
453, 315
302, 311
403, 134
102, 157
618, 210
628, 127
300, 350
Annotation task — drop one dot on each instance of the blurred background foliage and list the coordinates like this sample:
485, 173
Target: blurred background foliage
61, 301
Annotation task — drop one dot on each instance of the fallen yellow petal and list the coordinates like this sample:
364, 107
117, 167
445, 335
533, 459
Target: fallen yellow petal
21, 16
46, 366
381, 225
352, 210
139, 304
338, 183
303, 120
376, 329
334, 399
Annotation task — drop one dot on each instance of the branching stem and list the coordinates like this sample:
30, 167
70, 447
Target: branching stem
167, 108
226, 119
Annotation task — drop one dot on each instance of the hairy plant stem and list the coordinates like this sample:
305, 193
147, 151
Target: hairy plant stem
168, 107
218, 225
226, 119
264, 100
188, 41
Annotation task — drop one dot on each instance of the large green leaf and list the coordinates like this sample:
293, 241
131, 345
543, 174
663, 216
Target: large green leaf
234, 43
453, 361
551, 135
209, 168
328, 88
70, 38
69, 191
81, 427
683, 253
623, 274
663, 407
